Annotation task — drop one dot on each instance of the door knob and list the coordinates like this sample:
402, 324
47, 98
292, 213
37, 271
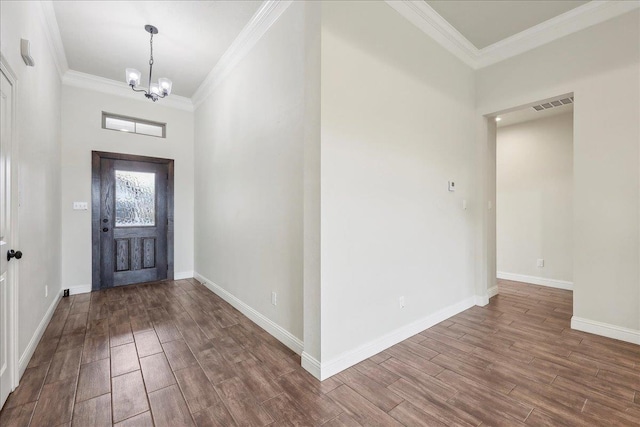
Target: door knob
13, 254
105, 229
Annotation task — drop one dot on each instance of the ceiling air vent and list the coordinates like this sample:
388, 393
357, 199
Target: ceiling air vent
552, 104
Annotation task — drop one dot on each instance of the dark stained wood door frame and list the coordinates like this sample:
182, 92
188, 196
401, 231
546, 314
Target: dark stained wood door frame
96, 156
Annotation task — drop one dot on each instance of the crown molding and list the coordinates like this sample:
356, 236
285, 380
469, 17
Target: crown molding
113, 87
52, 34
570, 22
262, 20
423, 16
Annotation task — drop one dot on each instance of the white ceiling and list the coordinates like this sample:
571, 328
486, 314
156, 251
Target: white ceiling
528, 114
105, 37
102, 38
484, 23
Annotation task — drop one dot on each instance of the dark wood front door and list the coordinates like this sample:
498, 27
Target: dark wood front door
132, 219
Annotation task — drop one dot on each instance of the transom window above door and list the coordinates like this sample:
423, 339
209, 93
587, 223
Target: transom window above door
133, 125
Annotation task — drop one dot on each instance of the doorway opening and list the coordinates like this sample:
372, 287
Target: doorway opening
132, 219
534, 205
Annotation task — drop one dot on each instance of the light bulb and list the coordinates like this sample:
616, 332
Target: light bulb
132, 76
165, 85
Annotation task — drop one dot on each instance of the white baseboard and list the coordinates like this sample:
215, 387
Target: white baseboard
606, 330
481, 300
82, 289
182, 275
311, 365
35, 339
365, 351
281, 334
492, 291
542, 281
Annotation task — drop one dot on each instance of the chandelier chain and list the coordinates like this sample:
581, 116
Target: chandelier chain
151, 45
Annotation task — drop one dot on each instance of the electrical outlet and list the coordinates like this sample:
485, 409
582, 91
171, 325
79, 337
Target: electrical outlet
540, 263
274, 298
46, 291
401, 302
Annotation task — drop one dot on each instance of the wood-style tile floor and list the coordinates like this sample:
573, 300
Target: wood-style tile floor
174, 354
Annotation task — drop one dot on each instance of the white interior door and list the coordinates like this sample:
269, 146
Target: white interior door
7, 362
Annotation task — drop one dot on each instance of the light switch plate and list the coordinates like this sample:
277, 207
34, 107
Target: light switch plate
80, 206
452, 186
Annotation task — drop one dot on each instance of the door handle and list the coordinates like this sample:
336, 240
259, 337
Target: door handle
105, 229
13, 254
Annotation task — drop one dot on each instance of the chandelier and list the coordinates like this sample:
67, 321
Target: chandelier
155, 90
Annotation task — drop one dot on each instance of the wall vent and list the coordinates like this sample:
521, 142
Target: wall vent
555, 103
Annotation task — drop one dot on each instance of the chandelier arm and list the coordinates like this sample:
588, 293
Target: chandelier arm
138, 90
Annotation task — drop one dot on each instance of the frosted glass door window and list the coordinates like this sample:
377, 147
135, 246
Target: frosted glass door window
135, 199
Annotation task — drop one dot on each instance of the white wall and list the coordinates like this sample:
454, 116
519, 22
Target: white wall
397, 124
534, 205
37, 145
82, 133
312, 263
601, 66
249, 136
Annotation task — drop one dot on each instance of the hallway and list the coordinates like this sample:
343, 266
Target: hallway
174, 353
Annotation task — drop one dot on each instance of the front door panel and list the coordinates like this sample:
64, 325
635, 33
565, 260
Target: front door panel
133, 222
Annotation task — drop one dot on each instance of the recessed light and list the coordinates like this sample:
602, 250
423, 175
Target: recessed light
498, 119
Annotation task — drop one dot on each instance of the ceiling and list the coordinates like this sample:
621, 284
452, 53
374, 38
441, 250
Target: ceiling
484, 23
102, 38
528, 114
105, 37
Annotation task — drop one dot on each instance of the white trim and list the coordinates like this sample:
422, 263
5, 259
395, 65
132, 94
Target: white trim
365, 351
606, 330
492, 291
37, 335
13, 273
183, 275
113, 87
262, 20
281, 334
542, 281
52, 34
311, 365
481, 300
81, 289
423, 16
555, 28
